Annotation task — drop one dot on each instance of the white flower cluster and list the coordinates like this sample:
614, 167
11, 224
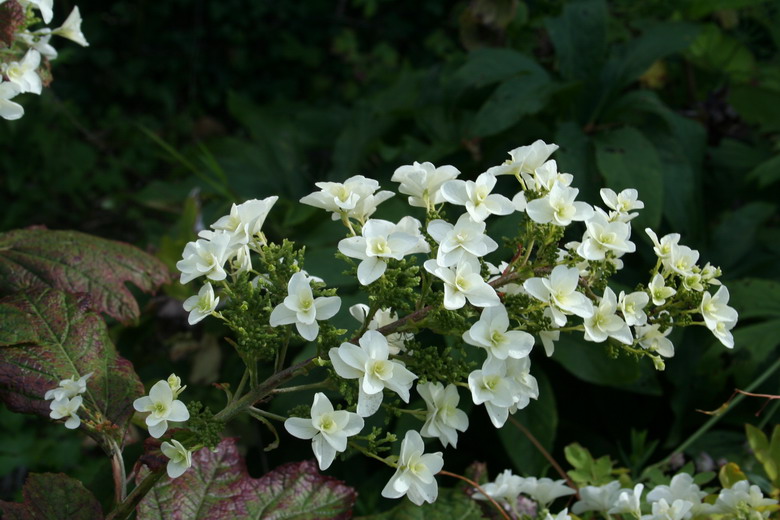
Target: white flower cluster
508, 488
66, 400
22, 68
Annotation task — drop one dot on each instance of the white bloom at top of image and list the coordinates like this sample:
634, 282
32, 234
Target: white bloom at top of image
444, 420
71, 28
67, 388
603, 236
597, 498
624, 202
24, 73
356, 197
465, 238
8, 109
741, 495
44, 6
67, 407
414, 476
162, 407
651, 338
546, 490
632, 306
382, 240
206, 257
39, 41
423, 182
661, 510
382, 317
658, 291
327, 428
491, 333
681, 487
201, 305
525, 159
715, 309
369, 364
463, 282
682, 260
301, 308
560, 291
558, 207
628, 502
606, 323
246, 220
477, 197
179, 458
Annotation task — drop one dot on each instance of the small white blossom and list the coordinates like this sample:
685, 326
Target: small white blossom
39, 41
518, 371
162, 407
628, 501
466, 238
201, 305
206, 257
180, 458
300, 307
491, 386
652, 339
563, 515
663, 247
603, 236
477, 197
8, 109
414, 476
559, 290
491, 333
658, 291
245, 221
369, 364
546, 176
714, 308
71, 28
632, 306
463, 282
545, 490
722, 331
444, 419
525, 159
24, 74
597, 498
44, 6
558, 207
395, 341
328, 429
682, 260
423, 182
65, 407
623, 203
679, 510
68, 388
739, 497
505, 489
355, 198
606, 323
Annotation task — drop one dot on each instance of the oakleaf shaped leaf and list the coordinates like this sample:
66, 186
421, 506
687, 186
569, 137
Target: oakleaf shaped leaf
218, 487
53, 496
74, 262
47, 336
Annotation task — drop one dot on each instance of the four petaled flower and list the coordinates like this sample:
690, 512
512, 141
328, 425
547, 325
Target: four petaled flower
180, 458
414, 476
300, 307
162, 407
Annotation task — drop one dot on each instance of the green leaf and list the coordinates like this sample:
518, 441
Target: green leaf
218, 487
451, 504
541, 419
766, 173
729, 474
715, 50
701, 8
579, 35
768, 454
36, 258
755, 298
757, 105
627, 159
587, 470
47, 336
510, 102
735, 237
490, 65
53, 496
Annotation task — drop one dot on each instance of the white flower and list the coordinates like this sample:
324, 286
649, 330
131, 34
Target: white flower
444, 419
491, 333
174, 382
300, 307
162, 407
66, 407
682, 260
68, 388
658, 291
477, 197
354, 198
201, 305
663, 247
623, 202
559, 290
383, 240
597, 498
632, 306
414, 476
491, 386
369, 364
558, 207
679, 510
715, 309
603, 236
40, 42
44, 6
206, 256
180, 458
382, 317
605, 323
8, 109
328, 429
246, 220
740, 496
525, 159
628, 501
545, 490
423, 182
652, 339
71, 28
506, 488
682, 493
466, 238
563, 515
546, 176
722, 331
24, 74
518, 371
463, 282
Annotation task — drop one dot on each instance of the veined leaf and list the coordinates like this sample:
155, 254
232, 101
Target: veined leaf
514, 98
579, 35
35, 258
53, 496
218, 487
47, 336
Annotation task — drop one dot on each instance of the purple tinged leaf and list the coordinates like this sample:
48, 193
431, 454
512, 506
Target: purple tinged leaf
47, 336
53, 496
37, 258
218, 487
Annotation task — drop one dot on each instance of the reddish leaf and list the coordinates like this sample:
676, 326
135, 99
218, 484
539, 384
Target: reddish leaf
53, 496
78, 263
47, 336
218, 487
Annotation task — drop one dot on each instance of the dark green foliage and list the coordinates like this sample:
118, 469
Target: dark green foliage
205, 429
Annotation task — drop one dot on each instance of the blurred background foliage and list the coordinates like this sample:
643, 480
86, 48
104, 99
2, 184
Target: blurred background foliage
180, 108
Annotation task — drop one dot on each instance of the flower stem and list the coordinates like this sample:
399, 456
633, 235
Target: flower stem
298, 388
478, 488
128, 505
520, 426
